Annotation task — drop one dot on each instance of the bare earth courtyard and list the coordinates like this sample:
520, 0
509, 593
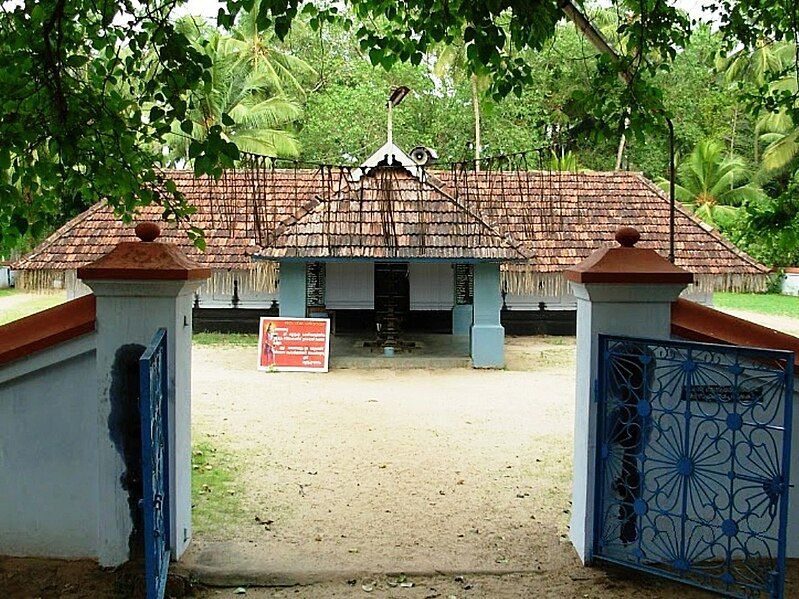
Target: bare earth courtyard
367, 481
386, 471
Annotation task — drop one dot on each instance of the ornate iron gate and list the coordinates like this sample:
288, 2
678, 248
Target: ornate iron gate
692, 462
153, 373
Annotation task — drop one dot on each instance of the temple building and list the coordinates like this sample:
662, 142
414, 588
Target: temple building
397, 246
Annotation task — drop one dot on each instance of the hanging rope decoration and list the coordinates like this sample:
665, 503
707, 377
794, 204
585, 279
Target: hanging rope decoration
529, 205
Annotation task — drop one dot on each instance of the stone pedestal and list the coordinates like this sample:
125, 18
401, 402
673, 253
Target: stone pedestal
139, 288
619, 291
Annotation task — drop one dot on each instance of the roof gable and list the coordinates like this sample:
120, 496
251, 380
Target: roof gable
390, 214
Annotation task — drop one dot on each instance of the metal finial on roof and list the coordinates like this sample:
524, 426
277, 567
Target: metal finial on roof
147, 231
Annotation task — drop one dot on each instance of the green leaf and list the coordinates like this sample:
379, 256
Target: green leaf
77, 60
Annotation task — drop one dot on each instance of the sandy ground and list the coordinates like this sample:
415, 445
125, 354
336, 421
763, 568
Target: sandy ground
389, 471
459, 479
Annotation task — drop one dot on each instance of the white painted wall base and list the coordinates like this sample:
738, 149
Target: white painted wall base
790, 283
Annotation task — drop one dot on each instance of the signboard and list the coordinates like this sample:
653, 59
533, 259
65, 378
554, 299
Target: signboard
315, 285
294, 344
464, 284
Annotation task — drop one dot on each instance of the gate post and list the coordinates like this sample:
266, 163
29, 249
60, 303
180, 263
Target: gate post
620, 291
141, 287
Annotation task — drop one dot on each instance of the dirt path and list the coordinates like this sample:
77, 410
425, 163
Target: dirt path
458, 479
384, 471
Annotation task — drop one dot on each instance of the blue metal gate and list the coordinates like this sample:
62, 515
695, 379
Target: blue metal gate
153, 373
692, 462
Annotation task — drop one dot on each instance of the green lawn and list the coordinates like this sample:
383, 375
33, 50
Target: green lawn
764, 303
226, 339
15, 304
215, 490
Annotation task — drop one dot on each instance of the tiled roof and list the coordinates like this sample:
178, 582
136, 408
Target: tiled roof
564, 216
225, 210
558, 217
390, 214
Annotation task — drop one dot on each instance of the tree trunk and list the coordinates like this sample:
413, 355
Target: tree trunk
732, 135
757, 141
620, 151
477, 136
622, 144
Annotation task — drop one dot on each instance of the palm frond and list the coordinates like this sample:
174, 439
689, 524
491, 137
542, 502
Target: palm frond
269, 142
781, 150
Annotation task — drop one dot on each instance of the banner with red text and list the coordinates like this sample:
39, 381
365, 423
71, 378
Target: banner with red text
294, 344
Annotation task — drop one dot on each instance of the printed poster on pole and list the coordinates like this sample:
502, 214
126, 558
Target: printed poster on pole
294, 344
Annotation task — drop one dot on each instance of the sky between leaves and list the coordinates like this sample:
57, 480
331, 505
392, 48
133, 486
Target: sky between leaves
209, 8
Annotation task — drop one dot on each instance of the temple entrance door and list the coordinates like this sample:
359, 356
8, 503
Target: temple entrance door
392, 299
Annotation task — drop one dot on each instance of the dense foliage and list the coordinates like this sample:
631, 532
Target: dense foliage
94, 98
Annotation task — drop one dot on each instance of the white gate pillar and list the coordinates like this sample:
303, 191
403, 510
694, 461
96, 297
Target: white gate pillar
620, 291
141, 287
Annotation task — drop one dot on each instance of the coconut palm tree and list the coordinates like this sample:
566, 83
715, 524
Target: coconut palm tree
258, 116
283, 72
714, 185
452, 61
563, 161
756, 68
778, 131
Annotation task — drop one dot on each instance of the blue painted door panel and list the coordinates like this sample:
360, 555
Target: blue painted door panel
154, 373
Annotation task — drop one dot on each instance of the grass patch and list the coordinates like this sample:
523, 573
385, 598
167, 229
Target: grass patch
216, 493
7, 292
226, 339
763, 303
31, 304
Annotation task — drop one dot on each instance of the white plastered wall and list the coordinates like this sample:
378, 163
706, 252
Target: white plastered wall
48, 452
350, 286
432, 286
